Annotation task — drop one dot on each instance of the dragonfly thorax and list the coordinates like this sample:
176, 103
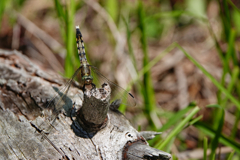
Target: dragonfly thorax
86, 74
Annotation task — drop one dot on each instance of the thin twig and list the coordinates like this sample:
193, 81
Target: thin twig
16, 36
182, 87
47, 39
48, 55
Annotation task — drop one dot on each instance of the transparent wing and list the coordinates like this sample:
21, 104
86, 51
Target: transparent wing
59, 101
117, 92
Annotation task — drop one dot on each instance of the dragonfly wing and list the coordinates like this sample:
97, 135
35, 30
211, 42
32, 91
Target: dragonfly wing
59, 100
117, 92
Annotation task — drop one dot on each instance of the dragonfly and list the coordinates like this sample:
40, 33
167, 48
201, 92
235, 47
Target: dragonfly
89, 75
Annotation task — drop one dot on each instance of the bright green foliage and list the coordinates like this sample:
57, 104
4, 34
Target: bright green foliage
209, 131
112, 6
215, 141
2, 7
198, 7
205, 147
8, 6
225, 17
177, 129
236, 21
66, 16
176, 118
147, 90
231, 155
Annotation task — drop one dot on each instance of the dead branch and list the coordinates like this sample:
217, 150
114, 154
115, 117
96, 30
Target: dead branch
25, 91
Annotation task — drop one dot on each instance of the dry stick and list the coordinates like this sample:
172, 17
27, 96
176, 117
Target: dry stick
230, 118
93, 114
109, 141
48, 55
182, 87
168, 62
174, 149
36, 31
16, 36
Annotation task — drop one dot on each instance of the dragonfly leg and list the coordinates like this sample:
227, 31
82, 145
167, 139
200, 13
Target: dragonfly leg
89, 87
93, 86
115, 104
73, 111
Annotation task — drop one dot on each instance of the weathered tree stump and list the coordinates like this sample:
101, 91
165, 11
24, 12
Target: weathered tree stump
24, 93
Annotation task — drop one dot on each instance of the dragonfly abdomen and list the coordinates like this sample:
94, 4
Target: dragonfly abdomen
80, 46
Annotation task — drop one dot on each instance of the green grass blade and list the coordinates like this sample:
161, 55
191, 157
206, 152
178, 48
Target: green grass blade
234, 79
175, 118
229, 55
233, 5
196, 6
214, 106
215, 141
234, 54
206, 129
231, 155
147, 89
231, 48
166, 14
59, 9
154, 61
174, 157
2, 8
147, 69
235, 17
112, 8
66, 16
217, 45
205, 147
195, 120
177, 129
225, 17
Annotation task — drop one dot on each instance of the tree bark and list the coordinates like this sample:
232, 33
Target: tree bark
25, 91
